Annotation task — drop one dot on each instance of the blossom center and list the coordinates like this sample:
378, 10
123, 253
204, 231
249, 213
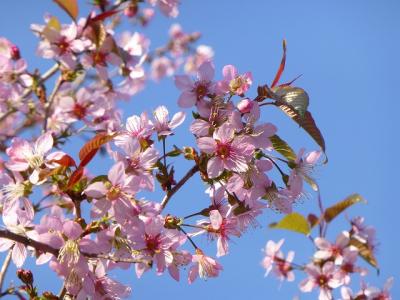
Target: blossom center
153, 243
223, 150
201, 90
114, 192
79, 111
69, 253
99, 58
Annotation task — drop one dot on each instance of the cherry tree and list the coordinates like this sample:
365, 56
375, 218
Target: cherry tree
83, 225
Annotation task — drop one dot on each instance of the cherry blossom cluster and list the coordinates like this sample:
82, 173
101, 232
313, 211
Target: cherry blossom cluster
86, 225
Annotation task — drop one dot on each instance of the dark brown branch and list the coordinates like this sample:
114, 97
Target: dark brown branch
46, 248
181, 182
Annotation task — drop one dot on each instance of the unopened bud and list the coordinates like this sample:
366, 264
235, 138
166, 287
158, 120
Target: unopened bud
189, 153
15, 54
245, 106
131, 11
25, 276
50, 296
172, 222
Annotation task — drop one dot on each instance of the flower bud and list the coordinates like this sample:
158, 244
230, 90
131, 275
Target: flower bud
15, 54
131, 10
245, 106
25, 276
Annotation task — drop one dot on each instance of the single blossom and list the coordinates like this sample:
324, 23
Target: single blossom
229, 151
194, 91
326, 278
204, 266
233, 82
162, 125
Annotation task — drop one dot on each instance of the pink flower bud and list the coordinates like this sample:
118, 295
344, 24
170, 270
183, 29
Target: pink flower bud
245, 106
131, 11
15, 54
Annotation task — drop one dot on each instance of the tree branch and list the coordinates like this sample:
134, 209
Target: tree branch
46, 248
50, 72
181, 182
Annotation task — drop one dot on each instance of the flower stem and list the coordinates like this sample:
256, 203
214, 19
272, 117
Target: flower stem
4, 268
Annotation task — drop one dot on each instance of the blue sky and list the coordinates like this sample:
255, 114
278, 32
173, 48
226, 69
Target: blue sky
347, 52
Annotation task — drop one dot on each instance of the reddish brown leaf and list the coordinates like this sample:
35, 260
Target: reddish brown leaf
66, 161
104, 15
281, 66
306, 121
70, 7
75, 177
89, 150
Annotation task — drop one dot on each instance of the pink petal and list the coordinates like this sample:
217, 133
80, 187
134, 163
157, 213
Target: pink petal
183, 82
177, 120
187, 99
207, 145
216, 219
206, 71
215, 167
229, 72
96, 190
44, 143
19, 254
72, 229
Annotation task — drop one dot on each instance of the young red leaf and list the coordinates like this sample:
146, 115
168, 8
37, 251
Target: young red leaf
66, 161
281, 66
89, 150
104, 15
70, 7
75, 177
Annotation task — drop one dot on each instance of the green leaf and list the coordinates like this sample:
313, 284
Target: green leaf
282, 147
333, 211
364, 251
293, 222
293, 96
70, 7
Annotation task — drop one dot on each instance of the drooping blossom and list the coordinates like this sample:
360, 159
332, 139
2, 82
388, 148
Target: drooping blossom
204, 267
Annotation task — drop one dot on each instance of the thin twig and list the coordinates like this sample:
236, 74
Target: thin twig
4, 268
49, 103
63, 292
181, 182
50, 72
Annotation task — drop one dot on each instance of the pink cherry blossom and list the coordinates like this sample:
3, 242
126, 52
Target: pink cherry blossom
335, 251
326, 278
24, 155
162, 125
204, 267
192, 92
233, 82
230, 152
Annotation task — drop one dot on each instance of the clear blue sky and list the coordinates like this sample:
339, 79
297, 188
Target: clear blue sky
348, 53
